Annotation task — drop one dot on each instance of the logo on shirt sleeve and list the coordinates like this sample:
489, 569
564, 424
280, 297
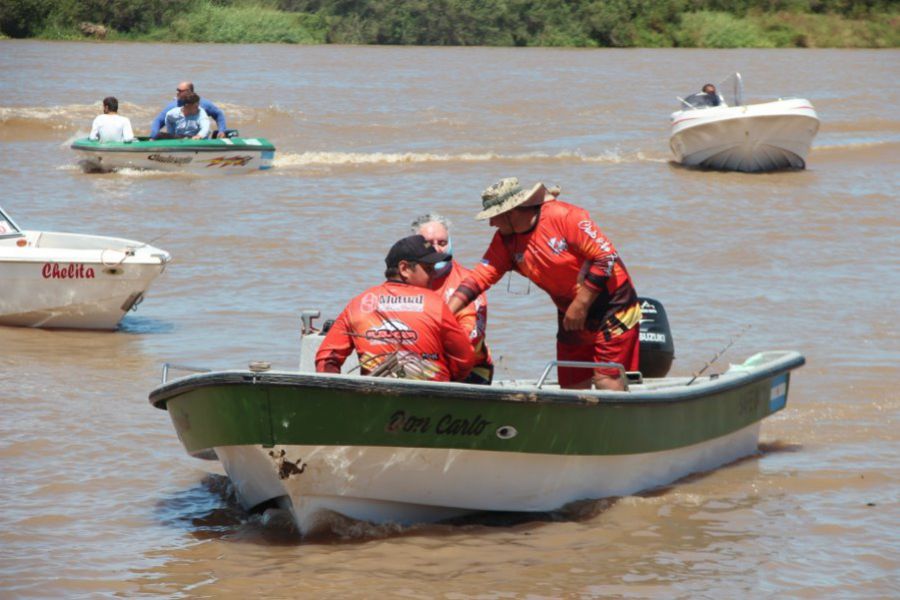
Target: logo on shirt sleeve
589, 228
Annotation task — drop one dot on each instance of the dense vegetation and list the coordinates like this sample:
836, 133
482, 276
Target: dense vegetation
590, 23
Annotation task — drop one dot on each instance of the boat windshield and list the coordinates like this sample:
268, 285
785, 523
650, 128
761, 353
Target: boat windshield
701, 100
730, 92
7, 227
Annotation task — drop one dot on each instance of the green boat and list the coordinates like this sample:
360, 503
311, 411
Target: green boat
404, 451
222, 155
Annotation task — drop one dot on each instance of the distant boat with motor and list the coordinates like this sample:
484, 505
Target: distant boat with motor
72, 280
734, 136
403, 451
220, 155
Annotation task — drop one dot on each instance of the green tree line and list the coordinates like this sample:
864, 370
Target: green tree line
585, 23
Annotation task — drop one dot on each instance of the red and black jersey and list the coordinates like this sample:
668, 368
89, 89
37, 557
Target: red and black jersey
472, 318
399, 320
564, 250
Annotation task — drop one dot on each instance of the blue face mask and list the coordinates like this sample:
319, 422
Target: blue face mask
443, 267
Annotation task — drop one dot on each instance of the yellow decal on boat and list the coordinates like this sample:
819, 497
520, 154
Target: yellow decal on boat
229, 161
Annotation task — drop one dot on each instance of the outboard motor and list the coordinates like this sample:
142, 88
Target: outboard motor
311, 338
657, 347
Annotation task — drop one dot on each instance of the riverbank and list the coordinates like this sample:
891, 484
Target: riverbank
579, 23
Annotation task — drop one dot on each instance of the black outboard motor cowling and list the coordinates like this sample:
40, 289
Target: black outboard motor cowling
657, 347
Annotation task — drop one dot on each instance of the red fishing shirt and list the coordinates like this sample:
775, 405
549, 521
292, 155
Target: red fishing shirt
472, 318
565, 249
399, 319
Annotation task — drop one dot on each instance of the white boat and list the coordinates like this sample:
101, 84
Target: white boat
220, 155
388, 450
734, 136
71, 280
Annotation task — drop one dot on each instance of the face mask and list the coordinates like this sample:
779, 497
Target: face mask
443, 267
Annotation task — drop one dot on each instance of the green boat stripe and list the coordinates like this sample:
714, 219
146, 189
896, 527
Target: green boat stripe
238, 408
175, 146
366, 386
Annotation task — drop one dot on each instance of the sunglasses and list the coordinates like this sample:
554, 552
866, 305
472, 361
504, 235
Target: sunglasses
181, 91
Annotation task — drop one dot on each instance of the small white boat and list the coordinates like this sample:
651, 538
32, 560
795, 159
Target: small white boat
734, 136
221, 155
71, 280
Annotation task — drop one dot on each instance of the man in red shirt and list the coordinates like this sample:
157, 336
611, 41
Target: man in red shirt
559, 247
400, 327
447, 276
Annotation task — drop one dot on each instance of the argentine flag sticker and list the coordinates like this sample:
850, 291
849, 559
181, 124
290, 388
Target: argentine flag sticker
778, 395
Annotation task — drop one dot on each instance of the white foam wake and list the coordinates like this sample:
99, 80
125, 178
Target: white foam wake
288, 159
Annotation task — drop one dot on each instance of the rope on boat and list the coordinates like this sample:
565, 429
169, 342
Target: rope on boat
125, 254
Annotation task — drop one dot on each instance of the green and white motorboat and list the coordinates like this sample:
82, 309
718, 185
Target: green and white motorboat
397, 450
222, 155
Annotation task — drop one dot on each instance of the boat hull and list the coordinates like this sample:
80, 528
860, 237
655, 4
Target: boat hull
414, 485
225, 155
753, 138
401, 451
72, 281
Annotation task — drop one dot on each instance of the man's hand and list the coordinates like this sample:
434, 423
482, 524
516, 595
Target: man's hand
575, 316
577, 312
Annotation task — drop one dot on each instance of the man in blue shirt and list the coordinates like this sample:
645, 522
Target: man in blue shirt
184, 88
189, 120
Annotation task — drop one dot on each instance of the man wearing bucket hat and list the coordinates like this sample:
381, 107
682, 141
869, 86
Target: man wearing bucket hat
401, 328
559, 247
447, 275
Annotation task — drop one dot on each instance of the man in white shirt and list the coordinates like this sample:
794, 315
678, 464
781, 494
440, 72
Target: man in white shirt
111, 126
188, 120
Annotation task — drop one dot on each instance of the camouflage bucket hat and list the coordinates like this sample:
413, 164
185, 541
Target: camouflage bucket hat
506, 195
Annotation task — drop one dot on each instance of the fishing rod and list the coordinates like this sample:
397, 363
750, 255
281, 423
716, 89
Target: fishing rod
733, 339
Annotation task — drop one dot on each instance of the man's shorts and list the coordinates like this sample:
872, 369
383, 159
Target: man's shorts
592, 346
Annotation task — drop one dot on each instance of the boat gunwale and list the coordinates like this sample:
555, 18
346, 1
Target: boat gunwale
217, 145
152, 260
705, 119
750, 106
142, 253
789, 360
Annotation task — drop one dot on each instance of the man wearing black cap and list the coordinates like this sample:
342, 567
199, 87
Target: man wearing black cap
401, 328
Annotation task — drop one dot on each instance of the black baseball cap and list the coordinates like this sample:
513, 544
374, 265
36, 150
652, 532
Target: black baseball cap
414, 248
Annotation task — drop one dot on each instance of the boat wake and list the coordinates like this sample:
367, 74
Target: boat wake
288, 160
855, 151
856, 144
211, 510
23, 123
128, 172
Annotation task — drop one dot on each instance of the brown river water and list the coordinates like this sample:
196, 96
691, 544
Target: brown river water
98, 497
